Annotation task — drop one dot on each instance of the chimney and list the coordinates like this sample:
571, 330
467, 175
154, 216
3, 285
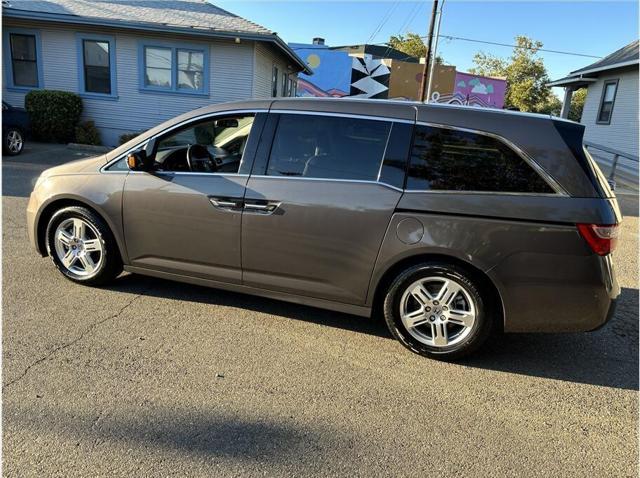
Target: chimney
318, 41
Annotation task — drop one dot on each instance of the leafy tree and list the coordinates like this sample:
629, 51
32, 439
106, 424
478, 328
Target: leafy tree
526, 77
412, 45
577, 104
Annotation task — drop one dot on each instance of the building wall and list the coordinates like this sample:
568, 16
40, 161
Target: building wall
231, 70
622, 133
264, 59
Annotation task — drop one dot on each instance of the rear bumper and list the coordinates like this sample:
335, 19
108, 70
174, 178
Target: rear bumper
565, 294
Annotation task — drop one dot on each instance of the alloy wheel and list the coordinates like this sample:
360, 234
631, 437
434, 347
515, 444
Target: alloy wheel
438, 311
14, 141
79, 247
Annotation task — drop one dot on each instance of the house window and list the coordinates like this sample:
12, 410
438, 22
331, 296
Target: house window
175, 69
97, 63
285, 79
274, 81
607, 101
23, 63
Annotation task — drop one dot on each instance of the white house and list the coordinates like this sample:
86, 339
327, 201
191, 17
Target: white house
610, 112
137, 63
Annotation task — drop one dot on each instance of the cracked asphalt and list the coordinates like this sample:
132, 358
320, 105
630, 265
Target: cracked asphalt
152, 378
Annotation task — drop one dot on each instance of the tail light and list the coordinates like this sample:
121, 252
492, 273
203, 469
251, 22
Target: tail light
601, 239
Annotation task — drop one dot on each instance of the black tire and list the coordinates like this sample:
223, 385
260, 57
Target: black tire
8, 146
480, 330
110, 265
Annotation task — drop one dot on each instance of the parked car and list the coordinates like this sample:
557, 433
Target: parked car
15, 126
453, 222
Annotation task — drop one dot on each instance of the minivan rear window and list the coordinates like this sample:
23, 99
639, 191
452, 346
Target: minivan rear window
331, 147
454, 160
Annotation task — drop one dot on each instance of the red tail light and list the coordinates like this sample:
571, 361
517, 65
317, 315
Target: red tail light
601, 239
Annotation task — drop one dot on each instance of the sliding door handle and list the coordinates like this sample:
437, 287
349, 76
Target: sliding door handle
263, 208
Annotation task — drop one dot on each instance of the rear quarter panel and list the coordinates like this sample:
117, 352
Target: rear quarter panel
547, 277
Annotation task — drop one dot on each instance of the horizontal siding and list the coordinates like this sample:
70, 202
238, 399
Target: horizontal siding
265, 58
622, 133
231, 69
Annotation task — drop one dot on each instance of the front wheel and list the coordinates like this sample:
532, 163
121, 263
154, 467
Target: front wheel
82, 246
437, 310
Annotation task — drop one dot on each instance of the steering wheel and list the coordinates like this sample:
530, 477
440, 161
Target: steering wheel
199, 159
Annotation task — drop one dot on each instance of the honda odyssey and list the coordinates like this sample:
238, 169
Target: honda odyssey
451, 221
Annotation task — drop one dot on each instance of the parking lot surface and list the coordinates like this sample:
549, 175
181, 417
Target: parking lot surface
152, 378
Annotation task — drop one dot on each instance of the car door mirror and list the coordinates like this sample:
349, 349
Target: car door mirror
138, 160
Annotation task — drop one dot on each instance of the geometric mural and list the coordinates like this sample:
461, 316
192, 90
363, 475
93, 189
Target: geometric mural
369, 78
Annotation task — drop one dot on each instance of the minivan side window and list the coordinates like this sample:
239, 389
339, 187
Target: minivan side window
328, 147
454, 160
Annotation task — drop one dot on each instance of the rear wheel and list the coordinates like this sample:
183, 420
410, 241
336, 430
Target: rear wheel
82, 246
437, 310
13, 142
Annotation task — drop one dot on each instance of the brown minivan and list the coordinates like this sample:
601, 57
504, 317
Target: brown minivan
452, 221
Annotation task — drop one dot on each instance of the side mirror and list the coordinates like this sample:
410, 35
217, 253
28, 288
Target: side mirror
138, 160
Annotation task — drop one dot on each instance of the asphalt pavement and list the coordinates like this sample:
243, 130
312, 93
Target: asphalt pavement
148, 377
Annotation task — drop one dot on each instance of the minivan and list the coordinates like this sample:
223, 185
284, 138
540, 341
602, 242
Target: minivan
452, 222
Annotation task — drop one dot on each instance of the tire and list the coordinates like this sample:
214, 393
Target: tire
82, 247
12, 142
446, 329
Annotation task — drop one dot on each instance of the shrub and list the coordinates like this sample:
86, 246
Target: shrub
87, 133
53, 114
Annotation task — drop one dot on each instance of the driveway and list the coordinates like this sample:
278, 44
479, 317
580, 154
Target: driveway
153, 378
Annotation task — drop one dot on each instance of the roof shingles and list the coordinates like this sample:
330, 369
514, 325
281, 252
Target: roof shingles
179, 13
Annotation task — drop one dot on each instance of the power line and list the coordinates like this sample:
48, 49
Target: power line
449, 37
473, 40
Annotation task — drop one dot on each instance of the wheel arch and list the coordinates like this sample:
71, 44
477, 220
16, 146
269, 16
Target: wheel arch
56, 204
480, 277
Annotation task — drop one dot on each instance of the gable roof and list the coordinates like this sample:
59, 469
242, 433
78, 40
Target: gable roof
626, 56
185, 16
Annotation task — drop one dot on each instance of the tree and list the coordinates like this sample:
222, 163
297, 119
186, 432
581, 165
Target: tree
412, 45
526, 77
577, 104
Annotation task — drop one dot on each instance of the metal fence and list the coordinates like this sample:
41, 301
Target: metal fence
618, 166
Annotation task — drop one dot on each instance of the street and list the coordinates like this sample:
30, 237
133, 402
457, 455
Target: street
148, 377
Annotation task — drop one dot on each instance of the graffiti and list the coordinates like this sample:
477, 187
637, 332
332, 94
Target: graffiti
480, 90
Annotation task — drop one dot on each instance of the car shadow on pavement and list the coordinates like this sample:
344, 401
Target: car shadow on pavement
209, 432
607, 357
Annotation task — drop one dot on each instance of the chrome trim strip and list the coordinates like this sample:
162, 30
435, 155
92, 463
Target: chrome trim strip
342, 115
384, 153
484, 193
553, 184
177, 125
356, 181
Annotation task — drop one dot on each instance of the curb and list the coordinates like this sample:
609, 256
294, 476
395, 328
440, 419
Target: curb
88, 147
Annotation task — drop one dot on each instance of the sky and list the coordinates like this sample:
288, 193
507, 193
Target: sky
591, 28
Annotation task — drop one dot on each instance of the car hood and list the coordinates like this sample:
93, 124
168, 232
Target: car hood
86, 165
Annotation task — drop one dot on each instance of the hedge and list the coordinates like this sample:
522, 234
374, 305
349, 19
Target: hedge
87, 133
54, 115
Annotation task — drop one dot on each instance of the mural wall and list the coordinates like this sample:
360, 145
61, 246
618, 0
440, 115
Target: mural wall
474, 90
337, 74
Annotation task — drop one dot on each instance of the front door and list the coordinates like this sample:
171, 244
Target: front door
184, 217
318, 208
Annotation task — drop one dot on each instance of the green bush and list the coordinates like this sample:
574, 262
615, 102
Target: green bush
128, 137
87, 133
53, 114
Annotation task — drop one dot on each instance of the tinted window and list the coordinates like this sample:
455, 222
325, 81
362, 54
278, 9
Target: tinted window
332, 147
445, 159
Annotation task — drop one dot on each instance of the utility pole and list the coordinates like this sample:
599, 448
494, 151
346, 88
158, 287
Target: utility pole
435, 52
427, 60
